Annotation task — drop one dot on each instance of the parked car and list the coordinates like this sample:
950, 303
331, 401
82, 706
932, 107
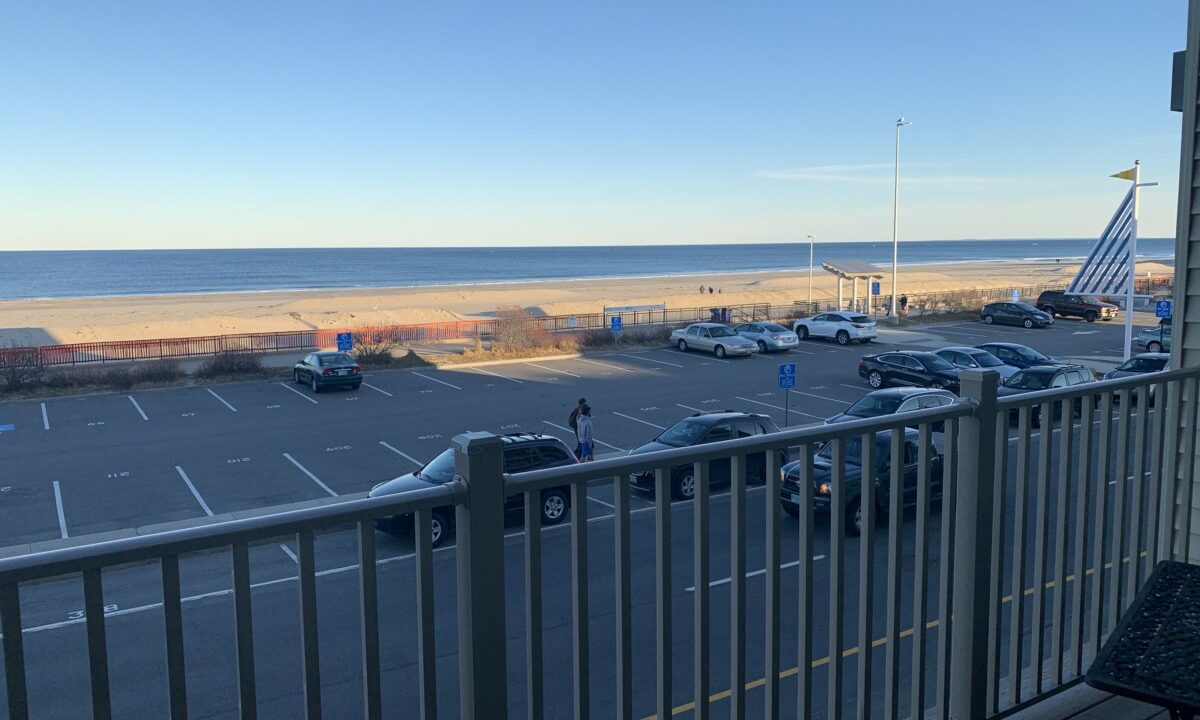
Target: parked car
1059, 303
522, 452
822, 476
713, 337
1019, 356
894, 400
1155, 339
974, 358
842, 326
699, 429
1045, 377
1015, 313
768, 336
908, 367
327, 369
1139, 364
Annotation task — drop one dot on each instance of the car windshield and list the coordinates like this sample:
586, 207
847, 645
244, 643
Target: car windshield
338, 359
683, 433
853, 446
720, 331
1027, 307
986, 359
874, 406
1029, 381
1030, 353
772, 327
440, 470
935, 362
1143, 365
862, 319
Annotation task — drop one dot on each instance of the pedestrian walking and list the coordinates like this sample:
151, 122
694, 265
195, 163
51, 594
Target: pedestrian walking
701, 289
903, 306
584, 433
573, 421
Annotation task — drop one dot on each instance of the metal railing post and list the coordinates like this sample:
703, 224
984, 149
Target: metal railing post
973, 538
479, 529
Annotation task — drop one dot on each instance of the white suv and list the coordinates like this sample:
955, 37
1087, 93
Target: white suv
842, 325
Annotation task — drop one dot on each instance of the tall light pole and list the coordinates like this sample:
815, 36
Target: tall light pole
811, 240
896, 217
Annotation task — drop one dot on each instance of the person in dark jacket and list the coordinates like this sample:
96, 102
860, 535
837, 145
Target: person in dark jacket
573, 421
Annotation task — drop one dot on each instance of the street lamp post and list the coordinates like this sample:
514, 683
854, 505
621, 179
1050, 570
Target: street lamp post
811, 240
896, 217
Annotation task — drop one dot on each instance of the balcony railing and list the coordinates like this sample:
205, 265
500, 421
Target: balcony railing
1000, 541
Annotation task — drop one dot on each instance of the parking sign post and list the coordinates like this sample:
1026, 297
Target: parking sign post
345, 342
787, 381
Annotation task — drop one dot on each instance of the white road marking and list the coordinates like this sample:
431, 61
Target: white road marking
195, 493
288, 551
285, 386
852, 387
312, 477
755, 573
780, 407
601, 502
802, 352
45, 417
614, 367
378, 390
677, 352
821, 397
443, 382
572, 432
214, 394
406, 456
62, 519
689, 407
502, 377
138, 407
1085, 332
650, 360
562, 372
629, 417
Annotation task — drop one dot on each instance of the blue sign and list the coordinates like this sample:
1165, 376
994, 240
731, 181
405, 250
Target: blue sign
787, 376
345, 341
1016, 295
616, 323
572, 322
875, 288
7, 428
1162, 309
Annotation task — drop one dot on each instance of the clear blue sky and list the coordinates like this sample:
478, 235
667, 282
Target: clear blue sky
235, 124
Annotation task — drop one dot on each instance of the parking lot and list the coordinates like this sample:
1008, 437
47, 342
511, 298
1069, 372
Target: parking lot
75, 467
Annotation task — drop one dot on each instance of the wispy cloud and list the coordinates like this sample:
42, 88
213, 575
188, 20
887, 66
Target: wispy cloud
868, 173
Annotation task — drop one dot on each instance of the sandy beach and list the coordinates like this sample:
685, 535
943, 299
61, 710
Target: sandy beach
76, 320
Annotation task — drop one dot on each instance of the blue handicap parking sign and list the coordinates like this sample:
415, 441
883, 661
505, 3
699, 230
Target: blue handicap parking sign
616, 323
875, 288
1162, 309
345, 341
787, 376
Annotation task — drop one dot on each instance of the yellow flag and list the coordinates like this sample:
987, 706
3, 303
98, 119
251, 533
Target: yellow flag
1124, 175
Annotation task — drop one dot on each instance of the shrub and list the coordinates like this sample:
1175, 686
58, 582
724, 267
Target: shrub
157, 371
230, 364
374, 349
118, 377
516, 327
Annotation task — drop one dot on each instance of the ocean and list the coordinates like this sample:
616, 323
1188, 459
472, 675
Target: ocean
68, 274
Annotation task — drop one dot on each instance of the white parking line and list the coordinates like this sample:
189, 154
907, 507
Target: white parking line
62, 519
821, 397
601, 502
45, 417
138, 407
629, 417
214, 394
288, 551
651, 360
502, 377
572, 432
755, 573
406, 456
195, 493
378, 390
443, 382
562, 372
614, 367
689, 407
285, 386
312, 477
779, 407
852, 387
677, 352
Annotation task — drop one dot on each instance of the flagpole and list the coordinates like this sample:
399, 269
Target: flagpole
1132, 273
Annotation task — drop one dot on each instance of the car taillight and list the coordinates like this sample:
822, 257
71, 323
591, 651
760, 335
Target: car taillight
327, 371
357, 369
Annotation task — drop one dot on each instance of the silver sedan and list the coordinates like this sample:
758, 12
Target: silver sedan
768, 336
714, 337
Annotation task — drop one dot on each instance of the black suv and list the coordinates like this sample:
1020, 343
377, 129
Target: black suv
1082, 306
522, 452
822, 476
908, 367
701, 428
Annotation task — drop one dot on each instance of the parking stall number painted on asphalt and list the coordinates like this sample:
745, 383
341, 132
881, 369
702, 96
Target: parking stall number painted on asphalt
232, 461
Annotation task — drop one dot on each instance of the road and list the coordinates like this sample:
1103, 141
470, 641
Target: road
78, 468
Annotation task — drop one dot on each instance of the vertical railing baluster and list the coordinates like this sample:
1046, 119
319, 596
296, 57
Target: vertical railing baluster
771, 581
1058, 624
996, 571
368, 599
1137, 486
579, 601
1041, 512
804, 651
1192, 433
891, 671
426, 619
1083, 481
14, 651
946, 572
737, 589
1119, 492
1016, 624
700, 473
173, 635
310, 649
866, 572
243, 623
837, 532
624, 599
662, 590
93, 607
1172, 436
920, 575
534, 669
1100, 487
1158, 395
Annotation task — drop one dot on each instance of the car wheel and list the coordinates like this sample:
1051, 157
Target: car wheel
1154, 347
1028, 323
988, 320
1048, 309
791, 509
554, 507
843, 337
1090, 316
875, 379
762, 347
719, 351
296, 377
854, 517
937, 385
682, 346
316, 388
439, 528
683, 485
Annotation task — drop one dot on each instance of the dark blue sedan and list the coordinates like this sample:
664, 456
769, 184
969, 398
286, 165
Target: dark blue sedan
1020, 356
